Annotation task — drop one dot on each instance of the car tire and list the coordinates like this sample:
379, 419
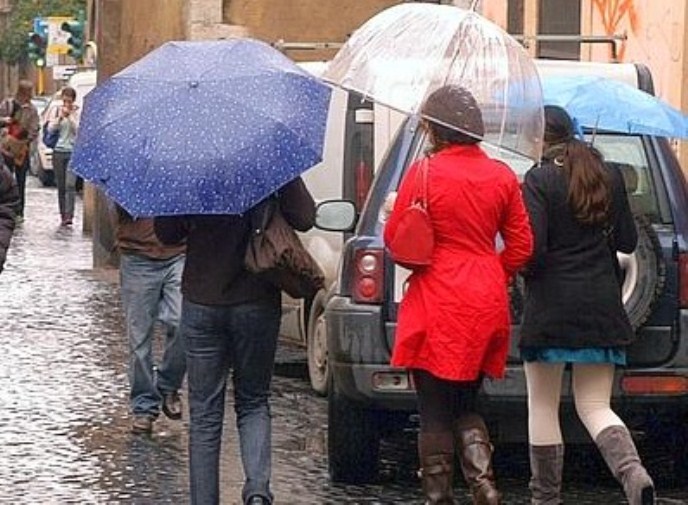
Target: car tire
316, 346
353, 441
644, 274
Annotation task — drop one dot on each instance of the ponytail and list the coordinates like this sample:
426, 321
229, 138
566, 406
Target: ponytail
589, 192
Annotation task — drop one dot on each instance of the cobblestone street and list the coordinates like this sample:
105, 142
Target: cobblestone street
64, 423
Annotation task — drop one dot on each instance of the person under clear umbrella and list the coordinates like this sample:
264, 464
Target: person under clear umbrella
453, 325
573, 312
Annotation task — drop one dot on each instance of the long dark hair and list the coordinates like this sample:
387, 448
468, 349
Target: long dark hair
589, 192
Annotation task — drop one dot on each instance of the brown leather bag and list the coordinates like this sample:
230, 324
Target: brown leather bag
275, 252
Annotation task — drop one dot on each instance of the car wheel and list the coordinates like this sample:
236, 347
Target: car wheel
316, 346
644, 274
353, 441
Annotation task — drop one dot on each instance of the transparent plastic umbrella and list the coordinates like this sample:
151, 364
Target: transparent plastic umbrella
401, 55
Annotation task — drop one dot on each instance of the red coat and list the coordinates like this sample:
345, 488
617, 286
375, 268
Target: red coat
454, 317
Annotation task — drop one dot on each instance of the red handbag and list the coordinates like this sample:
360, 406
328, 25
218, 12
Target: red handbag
413, 240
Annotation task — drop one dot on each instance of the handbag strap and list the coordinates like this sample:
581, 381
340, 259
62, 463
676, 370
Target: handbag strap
422, 191
261, 215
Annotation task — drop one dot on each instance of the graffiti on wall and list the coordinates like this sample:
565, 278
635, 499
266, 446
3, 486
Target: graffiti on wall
615, 15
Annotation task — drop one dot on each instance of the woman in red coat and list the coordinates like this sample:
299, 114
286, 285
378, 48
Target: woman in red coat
453, 325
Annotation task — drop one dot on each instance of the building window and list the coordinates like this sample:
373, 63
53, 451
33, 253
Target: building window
559, 17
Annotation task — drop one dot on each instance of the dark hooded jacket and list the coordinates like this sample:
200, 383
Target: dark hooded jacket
214, 272
9, 199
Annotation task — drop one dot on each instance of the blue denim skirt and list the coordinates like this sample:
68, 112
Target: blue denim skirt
615, 355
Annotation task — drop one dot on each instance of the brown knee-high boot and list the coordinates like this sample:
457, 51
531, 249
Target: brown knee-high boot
475, 455
619, 452
436, 454
546, 466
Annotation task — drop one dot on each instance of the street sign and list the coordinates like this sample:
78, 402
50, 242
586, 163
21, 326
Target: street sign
58, 39
62, 72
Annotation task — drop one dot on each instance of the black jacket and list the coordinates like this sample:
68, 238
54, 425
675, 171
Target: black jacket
573, 292
9, 200
214, 271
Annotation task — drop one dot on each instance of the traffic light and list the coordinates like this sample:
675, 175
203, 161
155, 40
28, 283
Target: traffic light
36, 47
76, 38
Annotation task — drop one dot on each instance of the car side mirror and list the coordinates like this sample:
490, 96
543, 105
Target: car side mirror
335, 215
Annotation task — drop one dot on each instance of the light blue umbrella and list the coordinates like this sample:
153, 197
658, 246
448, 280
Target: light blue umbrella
206, 127
605, 104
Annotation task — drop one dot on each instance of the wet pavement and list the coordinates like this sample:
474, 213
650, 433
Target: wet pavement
64, 425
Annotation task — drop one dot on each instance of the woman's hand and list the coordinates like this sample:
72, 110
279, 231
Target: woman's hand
388, 206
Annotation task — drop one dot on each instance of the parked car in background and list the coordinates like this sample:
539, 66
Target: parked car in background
40, 102
83, 82
357, 136
369, 399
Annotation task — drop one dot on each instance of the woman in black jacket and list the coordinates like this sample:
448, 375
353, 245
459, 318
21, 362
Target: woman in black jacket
573, 310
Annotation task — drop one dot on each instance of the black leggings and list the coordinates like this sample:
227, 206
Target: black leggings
441, 402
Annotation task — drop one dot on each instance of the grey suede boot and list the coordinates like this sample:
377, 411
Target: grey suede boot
475, 455
546, 466
619, 452
436, 454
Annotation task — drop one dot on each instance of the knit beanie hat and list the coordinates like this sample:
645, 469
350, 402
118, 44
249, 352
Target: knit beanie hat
456, 107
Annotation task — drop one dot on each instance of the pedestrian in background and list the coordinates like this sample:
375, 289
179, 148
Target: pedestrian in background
65, 119
230, 321
453, 325
20, 118
573, 311
9, 200
150, 285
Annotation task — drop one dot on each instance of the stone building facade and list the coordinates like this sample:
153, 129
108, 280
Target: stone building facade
649, 31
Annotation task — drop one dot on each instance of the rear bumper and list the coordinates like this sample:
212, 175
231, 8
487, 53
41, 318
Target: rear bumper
359, 353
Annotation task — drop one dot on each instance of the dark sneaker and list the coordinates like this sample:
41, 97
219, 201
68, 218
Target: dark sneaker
142, 424
172, 405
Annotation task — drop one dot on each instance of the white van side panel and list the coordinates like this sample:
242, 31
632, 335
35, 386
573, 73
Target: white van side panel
624, 72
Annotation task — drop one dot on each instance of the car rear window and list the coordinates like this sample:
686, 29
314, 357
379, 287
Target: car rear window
629, 155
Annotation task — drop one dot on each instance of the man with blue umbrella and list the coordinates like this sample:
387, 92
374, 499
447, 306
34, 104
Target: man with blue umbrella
230, 322
196, 134
150, 282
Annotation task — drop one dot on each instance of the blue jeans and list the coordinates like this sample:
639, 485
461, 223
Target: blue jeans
242, 338
151, 292
65, 180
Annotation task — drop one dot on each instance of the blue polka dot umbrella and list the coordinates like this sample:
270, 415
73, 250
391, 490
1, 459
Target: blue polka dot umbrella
207, 127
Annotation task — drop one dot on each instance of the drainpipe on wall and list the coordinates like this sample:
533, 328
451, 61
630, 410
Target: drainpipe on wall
530, 24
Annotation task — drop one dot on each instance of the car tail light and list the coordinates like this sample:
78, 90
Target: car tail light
368, 276
683, 279
661, 385
364, 178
